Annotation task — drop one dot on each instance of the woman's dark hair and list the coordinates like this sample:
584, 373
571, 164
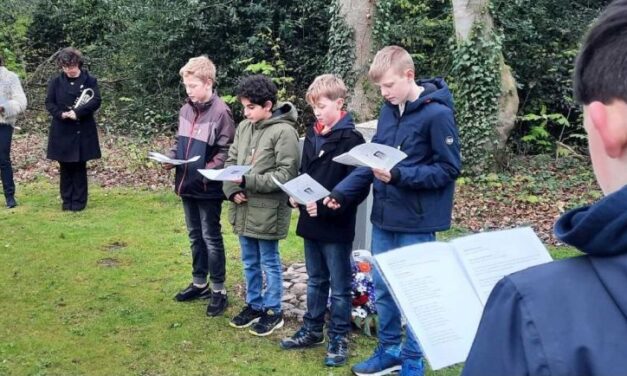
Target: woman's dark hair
258, 89
1, 61
70, 57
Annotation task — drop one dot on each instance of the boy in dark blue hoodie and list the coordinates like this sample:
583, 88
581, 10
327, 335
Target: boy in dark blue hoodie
568, 317
327, 234
411, 201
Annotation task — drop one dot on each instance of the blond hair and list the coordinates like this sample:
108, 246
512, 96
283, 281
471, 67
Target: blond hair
390, 57
326, 85
200, 67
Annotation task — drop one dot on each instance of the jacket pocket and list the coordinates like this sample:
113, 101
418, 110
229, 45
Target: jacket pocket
232, 213
262, 215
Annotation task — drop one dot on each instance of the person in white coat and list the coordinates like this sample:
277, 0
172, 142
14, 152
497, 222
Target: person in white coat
12, 103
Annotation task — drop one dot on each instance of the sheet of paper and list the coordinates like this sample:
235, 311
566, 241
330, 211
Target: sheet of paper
303, 189
230, 173
436, 298
489, 256
372, 155
165, 159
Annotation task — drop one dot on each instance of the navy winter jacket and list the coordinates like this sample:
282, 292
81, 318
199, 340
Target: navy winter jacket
419, 198
567, 317
335, 226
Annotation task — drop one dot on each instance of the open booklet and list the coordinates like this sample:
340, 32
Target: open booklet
372, 155
303, 189
165, 159
230, 173
441, 288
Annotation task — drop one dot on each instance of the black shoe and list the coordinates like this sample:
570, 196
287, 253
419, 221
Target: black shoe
246, 318
267, 324
11, 203
217, 304
337, 351
303, 338
192, 292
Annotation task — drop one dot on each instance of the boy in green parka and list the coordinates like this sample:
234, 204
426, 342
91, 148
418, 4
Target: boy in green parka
266, 140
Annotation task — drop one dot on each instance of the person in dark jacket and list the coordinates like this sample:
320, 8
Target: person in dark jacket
73, 136
327, 234
568, 317
12, 103
411, 201
206, 129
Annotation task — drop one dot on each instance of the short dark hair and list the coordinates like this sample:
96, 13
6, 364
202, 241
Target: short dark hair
258, 89
70, 57
601, 67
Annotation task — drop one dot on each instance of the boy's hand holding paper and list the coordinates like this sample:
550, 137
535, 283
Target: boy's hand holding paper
303, 189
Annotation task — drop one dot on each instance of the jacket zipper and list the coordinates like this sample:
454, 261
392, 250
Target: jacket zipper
189, 144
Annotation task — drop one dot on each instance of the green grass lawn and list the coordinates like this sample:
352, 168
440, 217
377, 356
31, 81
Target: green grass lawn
90, 293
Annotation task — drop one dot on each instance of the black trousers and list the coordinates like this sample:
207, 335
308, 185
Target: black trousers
205, 235
6, 170
73, 185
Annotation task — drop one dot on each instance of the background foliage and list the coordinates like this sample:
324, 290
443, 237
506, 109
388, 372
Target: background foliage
422, 27
540, 42
136, 48
341, 54
476, 88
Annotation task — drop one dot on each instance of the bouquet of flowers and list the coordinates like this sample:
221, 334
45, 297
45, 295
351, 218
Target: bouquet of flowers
364, 311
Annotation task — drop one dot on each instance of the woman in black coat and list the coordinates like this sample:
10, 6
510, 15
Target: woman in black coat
73, 137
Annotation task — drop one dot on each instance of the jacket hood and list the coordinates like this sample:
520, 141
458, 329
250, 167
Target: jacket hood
436, 90
282, 113
345, 122
599, 229
201, 107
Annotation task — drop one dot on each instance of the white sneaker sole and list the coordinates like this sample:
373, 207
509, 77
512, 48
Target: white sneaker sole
384, 372
245, 325
277, 326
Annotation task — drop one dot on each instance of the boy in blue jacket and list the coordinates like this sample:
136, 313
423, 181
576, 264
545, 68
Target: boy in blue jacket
206, 129
327, 234
411, 201
568, 317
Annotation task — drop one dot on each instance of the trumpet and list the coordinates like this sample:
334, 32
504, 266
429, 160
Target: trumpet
86, 95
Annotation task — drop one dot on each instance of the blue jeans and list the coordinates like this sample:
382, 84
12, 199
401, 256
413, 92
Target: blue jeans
259, 256
389, 330
205, 236
6, 170
328, 265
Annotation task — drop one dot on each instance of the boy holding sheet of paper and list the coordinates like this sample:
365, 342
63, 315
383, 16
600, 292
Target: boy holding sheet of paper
568, 317
327, 234
412, 200
266, 140
206, 129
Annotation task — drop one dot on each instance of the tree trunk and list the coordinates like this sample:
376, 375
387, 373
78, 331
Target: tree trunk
359, 15
465, 14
